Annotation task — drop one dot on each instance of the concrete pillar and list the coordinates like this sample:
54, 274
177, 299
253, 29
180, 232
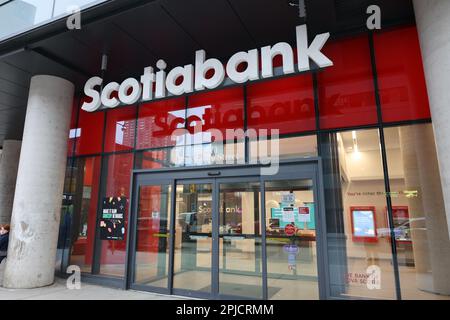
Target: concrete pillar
40, 180
8, 173
431, 244
433, 24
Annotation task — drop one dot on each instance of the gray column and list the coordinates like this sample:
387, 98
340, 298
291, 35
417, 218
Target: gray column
433, 24
429, 232
8, 173
40, 179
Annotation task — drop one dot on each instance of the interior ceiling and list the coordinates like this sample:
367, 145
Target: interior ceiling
172, 30
368, 139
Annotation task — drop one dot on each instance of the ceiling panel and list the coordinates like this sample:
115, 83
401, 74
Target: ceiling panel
213, 24
269, 22
160, 33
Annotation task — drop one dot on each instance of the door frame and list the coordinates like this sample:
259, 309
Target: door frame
310, 168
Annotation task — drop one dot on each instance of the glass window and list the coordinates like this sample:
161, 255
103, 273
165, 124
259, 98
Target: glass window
62, 6
120, 129
418, 212
217, 110
401, 78
21, 15
187, 156
158, 120
359, 244
18, 16
285, 148
113, 252
63, 247
285, 104
84, 193
346, 90
90, 132
153, 159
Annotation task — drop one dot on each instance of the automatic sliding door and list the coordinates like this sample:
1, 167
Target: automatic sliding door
238, 235
240, 266
291, 240
193, 237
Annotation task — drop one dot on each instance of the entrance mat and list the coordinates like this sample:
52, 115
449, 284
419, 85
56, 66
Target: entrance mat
243, 290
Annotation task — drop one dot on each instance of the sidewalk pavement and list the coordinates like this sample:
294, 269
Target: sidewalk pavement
59, 291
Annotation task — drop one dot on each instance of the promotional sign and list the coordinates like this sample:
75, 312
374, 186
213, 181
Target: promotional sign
363, 224
112, 222
288, 214
303, 214
299, 216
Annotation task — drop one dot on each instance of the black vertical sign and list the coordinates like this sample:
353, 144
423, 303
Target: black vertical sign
112, 222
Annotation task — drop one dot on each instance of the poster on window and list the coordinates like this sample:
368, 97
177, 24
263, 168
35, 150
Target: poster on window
112, 222
302, 217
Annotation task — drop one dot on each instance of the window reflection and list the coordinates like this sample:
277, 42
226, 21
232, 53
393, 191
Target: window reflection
113, 252
85, 187
20, 15
418, 211
359, 245
120, 129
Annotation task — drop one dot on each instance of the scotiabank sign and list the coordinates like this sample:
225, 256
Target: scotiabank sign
190, 78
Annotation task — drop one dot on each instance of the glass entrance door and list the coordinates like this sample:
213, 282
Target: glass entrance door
193, 249
291, 240
229, 234
240, 250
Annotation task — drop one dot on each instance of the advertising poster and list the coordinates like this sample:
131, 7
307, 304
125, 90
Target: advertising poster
363, 223
302, 217
112, 222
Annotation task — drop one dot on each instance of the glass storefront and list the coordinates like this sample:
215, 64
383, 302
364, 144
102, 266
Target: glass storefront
369, 222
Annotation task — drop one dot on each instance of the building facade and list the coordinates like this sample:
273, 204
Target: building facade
170, 189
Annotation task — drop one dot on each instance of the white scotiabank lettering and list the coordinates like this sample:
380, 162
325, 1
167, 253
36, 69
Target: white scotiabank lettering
90, 92
304, 53
207, 73
250, 72
202, 67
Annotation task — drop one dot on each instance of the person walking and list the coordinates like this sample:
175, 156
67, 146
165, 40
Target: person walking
4, 239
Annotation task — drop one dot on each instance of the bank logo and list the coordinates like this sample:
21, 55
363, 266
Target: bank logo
196, 77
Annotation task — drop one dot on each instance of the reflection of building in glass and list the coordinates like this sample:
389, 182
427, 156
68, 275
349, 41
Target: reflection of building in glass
16, 16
